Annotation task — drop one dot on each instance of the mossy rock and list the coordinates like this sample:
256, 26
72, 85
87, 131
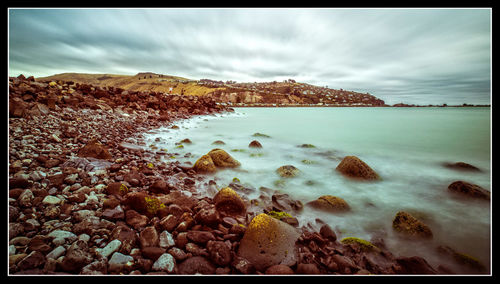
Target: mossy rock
288, 171
469, 190
229, 202
354, 167
205, 164
279, 183
330, 203
186, 141
268, 241
222, 159
261, 135
410, 226
174, 127
308, 162
239, 150
306, 146
363, 244
256, 155
279, 214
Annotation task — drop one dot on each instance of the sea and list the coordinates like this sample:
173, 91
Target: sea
407, 147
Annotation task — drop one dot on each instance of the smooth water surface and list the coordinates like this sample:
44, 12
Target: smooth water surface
405, 146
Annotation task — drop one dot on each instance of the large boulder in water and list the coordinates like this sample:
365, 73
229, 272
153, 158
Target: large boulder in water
287, 171
330, 203
410, 226
469, 189
354, 167
268, 241
222, 159
205, 164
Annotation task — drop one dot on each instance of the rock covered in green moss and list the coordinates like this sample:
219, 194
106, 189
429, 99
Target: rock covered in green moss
410, 226
205, 164
363, 244
354, 167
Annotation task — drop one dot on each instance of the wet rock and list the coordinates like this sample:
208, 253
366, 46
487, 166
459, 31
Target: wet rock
354, 167
152, 253
255, 144
268, 241
330, 203
461, 166
288, 171
327, 232
222, 159
196, 264
229, 202
468, 189
205, 164
410, 226
159, 186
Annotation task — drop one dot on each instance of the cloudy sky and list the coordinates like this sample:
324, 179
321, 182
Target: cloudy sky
416, 56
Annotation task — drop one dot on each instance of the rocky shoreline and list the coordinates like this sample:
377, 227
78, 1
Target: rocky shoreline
84, 201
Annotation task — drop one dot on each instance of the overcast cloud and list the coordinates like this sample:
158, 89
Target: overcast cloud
416, 56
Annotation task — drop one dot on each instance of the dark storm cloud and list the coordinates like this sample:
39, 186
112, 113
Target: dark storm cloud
400, 55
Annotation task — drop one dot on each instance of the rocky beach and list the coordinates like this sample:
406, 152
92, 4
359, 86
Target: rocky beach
87, 197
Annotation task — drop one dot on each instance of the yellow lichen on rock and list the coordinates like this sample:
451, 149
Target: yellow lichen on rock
229, 202
222, 159
354, 167
364, 245
330, 203
205, 165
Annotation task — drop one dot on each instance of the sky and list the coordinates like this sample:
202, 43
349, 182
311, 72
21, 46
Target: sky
413, 56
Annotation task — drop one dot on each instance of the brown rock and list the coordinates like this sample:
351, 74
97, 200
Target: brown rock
352, 166
268, 241
414, 265
279, 269
200, 237
307, 268
149, 237
33, 260
77, 256
287, 171
330, 203
135, 219
255, 144
229, 202
117, 188
196, 264
219, 252
94, 149
469, 189
462, 166
410, 226
152, 253
159, 186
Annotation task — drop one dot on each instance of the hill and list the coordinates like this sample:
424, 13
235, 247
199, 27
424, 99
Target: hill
286, 93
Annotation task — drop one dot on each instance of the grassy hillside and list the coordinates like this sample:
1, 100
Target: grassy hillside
145, 81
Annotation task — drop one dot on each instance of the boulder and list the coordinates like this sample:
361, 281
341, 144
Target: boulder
469, 189
94, 149
287, 171
353, 167
410, 226
222, 159
205, 164
268, 241
330, 203
229, 202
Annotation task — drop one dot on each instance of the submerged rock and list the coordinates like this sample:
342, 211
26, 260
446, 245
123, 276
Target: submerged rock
255, 144
410, 226
461, 166
288, 171
268, 241
330, 203
354, 167
469, 189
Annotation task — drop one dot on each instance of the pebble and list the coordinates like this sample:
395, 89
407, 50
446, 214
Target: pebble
120, 261
51, 200
57, 252
166, 240
165, 262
